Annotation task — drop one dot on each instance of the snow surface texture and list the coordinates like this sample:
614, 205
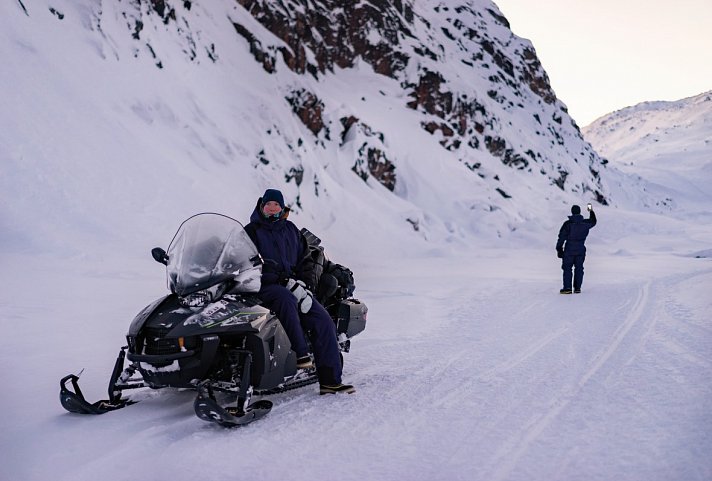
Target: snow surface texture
472, 366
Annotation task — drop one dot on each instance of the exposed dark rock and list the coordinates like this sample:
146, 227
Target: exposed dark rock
308, 108
337, 32
427, 94
262, 157
473, 166
346, 123
159, 6
556, 135
296, 173
380, 167
267, 60
561, 180
166, 12
137, 30
460, 113
316, 185
500, 18
54, 12
600, 198
503, 193
500, 59
371, 160
498, 147
535, 76
433, 126
211, 53
22, 5
159, 64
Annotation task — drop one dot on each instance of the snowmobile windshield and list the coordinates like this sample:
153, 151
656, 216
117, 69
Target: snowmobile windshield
209, 249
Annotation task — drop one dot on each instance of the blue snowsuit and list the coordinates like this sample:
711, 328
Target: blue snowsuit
282, 247
572, 238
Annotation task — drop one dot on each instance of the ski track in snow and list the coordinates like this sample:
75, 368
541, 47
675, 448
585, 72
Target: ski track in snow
523, 356
457, 379
542, 420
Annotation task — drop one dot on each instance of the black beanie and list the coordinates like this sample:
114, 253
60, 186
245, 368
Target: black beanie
575, 210
273, 195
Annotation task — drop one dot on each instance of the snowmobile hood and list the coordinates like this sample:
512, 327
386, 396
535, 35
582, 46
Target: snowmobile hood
209, 249
229, 314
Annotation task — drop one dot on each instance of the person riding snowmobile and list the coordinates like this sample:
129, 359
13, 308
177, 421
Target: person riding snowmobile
283, 249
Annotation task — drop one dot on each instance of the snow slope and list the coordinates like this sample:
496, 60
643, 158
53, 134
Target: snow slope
669, 145
157, 124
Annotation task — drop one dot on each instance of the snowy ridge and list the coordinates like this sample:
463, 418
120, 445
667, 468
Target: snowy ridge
666, 144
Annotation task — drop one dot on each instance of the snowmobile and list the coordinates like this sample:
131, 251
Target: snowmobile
211, 334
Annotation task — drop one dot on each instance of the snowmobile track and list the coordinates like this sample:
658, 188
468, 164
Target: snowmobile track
507, 458
523, 356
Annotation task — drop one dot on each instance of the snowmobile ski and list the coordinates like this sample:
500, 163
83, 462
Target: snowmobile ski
209, 410
74, 402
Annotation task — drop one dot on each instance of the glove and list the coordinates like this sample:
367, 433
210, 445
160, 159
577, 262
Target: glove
560, 253
301, 293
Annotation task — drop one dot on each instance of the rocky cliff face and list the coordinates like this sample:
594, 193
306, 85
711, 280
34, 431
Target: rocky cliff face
458, 64
435, 109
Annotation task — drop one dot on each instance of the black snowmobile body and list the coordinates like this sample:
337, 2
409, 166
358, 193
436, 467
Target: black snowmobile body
211, 333
174, 345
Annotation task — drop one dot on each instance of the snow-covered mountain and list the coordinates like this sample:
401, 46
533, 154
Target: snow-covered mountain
668, 145
428, 117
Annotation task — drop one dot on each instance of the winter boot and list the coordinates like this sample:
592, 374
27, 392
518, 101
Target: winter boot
336, 388
304, 362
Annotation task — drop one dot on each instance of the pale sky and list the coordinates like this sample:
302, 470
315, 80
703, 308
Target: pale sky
603, 55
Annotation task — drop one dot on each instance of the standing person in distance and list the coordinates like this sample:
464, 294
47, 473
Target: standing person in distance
571, 248
283, 249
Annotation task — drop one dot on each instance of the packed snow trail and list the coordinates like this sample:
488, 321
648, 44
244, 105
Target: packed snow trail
462, 373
